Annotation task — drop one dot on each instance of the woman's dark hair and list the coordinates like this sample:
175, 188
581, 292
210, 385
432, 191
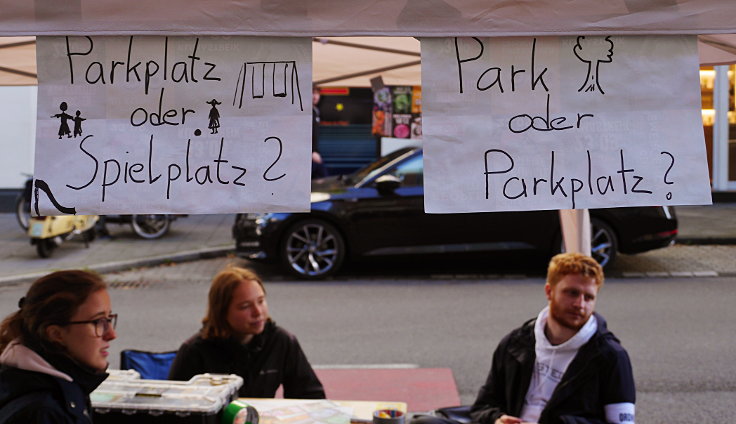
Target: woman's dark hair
52, 299
214, 324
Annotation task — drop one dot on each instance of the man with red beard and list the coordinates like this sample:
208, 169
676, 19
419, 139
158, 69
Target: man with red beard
563, 366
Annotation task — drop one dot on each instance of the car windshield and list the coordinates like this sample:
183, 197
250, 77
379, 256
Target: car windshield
374, 168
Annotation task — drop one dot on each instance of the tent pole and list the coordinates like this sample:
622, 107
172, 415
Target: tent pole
575, 224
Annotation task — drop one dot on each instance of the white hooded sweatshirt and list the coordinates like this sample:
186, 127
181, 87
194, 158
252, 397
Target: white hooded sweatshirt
550, 364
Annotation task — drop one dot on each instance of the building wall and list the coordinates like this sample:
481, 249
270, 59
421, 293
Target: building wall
719, 123
17, 134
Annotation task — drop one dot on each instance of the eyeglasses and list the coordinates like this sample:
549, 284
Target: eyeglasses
102, 325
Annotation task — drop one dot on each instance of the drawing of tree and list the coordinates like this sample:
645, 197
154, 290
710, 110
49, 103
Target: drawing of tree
593, 51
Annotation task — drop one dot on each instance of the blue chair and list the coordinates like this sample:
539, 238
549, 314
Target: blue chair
150, 365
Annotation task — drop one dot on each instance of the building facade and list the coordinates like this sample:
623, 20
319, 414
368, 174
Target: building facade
719, 123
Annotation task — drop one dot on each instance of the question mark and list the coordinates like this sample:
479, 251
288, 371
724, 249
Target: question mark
672, 163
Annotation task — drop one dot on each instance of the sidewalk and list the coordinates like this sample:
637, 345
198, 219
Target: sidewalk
714, 224
202, 236
190, 238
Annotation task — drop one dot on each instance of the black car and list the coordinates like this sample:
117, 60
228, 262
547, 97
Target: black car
379, 210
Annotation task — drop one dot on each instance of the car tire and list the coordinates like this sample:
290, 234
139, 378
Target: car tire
603, 243
150, 226
312, 249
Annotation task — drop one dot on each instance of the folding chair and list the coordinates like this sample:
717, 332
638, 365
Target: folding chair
150, 365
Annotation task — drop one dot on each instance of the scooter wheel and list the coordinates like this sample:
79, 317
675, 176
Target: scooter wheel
150, 226
23, 212
90, 235
45, 248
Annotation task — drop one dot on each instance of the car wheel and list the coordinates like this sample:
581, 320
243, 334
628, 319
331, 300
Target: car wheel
312, 249
603, 242
150, 226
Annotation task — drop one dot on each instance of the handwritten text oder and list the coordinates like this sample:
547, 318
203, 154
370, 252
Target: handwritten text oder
561, 122
173, 124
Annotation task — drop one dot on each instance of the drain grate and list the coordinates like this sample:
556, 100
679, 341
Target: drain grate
135, 284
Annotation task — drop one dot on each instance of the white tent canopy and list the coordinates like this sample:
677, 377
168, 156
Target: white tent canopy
390, 51
18, 61
338, 61
424, 18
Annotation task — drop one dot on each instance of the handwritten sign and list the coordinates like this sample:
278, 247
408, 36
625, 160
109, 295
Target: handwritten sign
562, 123
172, 125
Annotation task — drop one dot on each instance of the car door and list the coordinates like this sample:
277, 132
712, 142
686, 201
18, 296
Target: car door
395, 223
386, 223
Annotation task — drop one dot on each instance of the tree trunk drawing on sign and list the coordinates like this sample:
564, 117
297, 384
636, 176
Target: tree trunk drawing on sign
593, 51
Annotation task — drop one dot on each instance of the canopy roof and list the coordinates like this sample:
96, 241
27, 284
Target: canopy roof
433, 18
380, 32
338, 61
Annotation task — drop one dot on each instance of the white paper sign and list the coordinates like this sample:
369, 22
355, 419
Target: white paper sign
173, 125
562, 123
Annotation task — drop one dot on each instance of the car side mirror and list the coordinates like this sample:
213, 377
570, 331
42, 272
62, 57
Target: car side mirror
387, 184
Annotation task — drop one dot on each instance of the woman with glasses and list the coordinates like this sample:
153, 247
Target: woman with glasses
239, 337
55, 349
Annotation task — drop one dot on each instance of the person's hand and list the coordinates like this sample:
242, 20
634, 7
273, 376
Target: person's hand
316, 158
508, 419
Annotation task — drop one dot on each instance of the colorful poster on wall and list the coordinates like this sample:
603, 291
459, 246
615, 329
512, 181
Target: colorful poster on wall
401, 119
172, 125
416, 112
397, 112
382, 112
562, 123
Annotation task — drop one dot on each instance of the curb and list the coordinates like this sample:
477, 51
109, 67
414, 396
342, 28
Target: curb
185, 256
696, 241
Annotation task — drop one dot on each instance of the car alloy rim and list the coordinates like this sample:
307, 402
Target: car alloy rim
150, 226
312, 250
600, 246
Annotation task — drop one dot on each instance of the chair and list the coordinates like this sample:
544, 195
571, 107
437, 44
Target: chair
150, 365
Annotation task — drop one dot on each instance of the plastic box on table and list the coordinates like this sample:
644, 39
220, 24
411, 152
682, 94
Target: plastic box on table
128, 399
120, 375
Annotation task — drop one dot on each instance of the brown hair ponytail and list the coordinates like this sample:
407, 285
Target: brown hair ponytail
52, 299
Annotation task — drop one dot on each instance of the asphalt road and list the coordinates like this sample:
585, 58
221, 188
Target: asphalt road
678, 331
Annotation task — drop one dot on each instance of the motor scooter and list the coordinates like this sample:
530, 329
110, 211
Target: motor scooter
48, 232
150, 226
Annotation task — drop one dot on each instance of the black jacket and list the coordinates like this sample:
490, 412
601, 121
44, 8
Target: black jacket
59, 401
600, 374
269, 360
